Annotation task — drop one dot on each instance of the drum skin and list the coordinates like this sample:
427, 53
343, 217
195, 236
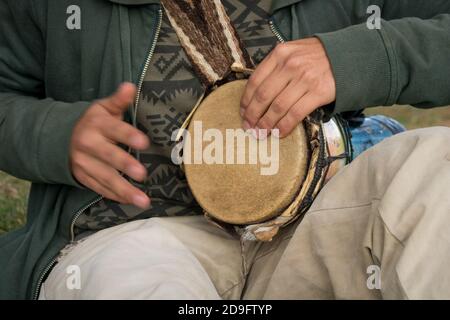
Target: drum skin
239, 194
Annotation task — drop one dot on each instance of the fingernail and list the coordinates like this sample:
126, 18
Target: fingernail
246, 125
141, 201
138, 141
242, 112
136, 172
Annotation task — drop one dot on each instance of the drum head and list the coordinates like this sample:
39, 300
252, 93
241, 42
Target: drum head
240, 192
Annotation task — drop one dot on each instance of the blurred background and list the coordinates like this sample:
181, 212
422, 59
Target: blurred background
14, 192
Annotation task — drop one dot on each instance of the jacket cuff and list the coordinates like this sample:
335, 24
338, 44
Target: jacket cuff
53, 152
360, 59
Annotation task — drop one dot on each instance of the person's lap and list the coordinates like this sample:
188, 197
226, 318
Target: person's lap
148, 260
387, 209
390, 209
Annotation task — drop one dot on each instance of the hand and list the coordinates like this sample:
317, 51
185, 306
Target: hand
292, 81
95, 158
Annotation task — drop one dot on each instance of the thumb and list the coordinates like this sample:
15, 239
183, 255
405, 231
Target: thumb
120, 101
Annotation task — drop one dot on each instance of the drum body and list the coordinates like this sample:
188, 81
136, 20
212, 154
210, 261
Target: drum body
256, 186
236, 178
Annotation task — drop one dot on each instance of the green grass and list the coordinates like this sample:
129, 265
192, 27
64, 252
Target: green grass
13, 192
13, 201
414, 118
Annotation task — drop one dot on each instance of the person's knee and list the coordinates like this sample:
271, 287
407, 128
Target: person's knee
416, 191
415, 150
433, 137
431, 149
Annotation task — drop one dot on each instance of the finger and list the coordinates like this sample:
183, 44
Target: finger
281, 105
107, 151
120, 160
263, 70
264, 95
121, 100
297, 114
122, 132
110, 179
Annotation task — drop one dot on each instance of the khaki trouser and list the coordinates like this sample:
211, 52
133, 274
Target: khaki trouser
387, 214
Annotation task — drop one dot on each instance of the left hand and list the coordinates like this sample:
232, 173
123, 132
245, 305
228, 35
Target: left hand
291, 82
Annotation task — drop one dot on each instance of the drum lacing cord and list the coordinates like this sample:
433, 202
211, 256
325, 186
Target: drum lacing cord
330, 160
321, 164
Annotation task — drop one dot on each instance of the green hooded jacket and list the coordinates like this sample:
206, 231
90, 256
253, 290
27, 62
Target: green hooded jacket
50, 74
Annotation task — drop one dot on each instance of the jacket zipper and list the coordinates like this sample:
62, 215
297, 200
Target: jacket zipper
146, 65
72, 236
41, 278
80, 212
276, 32
144, 72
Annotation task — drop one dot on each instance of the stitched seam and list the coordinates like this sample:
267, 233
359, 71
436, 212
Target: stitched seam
402, 244
388, 229
341, 208
273, 249
231, 288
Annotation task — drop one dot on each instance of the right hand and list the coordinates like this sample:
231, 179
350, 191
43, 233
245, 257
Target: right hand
97, 161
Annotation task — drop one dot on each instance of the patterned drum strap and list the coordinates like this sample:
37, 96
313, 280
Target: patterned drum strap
208, 38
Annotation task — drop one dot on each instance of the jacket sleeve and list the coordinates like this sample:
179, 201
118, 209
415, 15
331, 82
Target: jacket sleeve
406, 61
35, 131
